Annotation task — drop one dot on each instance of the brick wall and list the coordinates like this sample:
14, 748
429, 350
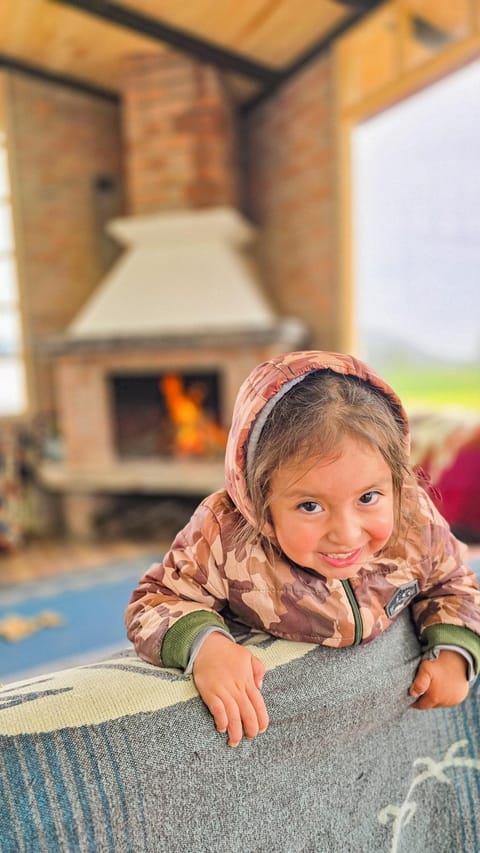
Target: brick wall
292, 197
61, 140
179, 134
176, 136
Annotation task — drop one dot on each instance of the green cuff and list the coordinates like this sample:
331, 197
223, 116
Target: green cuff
453, 635
179, 638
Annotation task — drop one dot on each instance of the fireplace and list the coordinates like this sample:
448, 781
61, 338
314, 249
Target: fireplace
151, 414
147, 373
118, 429
168, 415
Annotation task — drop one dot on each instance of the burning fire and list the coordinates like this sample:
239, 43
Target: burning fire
196, 432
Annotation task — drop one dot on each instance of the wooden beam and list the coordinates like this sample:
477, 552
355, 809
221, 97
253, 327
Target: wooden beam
359, 5
312, 52
155, 29
27, 68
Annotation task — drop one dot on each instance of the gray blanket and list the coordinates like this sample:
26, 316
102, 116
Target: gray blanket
122, 756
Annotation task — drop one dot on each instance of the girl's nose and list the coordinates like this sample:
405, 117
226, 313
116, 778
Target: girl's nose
345, 530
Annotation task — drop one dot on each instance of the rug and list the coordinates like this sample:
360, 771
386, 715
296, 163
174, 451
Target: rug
121, 756
66, 621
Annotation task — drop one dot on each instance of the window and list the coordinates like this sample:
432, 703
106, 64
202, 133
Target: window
417, 242
12, 368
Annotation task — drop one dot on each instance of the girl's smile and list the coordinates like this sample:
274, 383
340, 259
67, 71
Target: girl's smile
333, 515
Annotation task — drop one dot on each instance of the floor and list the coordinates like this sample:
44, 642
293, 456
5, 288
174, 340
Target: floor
42, 559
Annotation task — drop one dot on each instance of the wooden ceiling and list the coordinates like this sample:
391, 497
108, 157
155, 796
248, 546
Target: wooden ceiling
258, 43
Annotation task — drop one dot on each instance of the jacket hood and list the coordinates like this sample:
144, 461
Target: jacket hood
260, 392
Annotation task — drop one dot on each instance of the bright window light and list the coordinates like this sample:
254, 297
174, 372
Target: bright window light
12, 368
12, 386
416, 223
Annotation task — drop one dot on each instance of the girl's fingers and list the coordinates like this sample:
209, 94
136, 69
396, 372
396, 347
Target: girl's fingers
231, 717
260, 709
249, 717
235, 727
246, 715
230, 688
421, 682
423, 704
235, 730
258, 672
218, 712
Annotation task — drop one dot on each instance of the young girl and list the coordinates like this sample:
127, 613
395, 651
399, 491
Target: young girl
322, 535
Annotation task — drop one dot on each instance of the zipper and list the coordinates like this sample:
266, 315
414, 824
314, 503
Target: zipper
355, 609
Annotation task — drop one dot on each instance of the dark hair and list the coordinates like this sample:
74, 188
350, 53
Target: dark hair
311, 420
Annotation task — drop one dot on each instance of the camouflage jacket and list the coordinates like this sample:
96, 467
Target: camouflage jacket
207, 574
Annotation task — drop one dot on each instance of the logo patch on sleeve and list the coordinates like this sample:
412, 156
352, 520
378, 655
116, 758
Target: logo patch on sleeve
402, 597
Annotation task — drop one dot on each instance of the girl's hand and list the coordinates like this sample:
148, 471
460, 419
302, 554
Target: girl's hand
440, 683
229, 678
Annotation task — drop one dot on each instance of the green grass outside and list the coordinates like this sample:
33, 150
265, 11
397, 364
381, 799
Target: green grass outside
437, 388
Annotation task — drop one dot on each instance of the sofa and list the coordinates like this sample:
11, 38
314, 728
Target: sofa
121, 756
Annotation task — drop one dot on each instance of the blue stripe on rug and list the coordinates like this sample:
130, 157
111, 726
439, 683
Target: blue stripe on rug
9, 834
41, 801
135, 790
61, 796
122, 794
91, 603
82, 795
95, 780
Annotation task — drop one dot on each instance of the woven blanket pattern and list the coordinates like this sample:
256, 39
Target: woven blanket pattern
122, 756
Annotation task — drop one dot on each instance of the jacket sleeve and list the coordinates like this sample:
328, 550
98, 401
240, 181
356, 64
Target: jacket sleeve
189, 582
447, 610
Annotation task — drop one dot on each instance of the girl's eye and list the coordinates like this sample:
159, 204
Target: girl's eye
310, 507
369, 498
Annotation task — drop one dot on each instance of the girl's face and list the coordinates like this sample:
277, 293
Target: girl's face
332, 515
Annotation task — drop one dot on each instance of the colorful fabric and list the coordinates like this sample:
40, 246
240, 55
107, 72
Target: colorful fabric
207, 570
22, 503
11, 490
446, 446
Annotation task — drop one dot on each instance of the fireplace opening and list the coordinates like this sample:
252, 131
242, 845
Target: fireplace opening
140, 517
168, 415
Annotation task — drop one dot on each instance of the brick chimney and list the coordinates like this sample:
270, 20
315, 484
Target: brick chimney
179, 130
187, 268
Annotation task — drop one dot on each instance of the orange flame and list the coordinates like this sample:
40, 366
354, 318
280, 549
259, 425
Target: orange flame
196, 432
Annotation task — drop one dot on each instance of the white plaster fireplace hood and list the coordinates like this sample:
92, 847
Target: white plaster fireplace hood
183, 273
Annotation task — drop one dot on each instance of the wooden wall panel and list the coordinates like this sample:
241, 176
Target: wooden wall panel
368, 57
428, 26
403, 45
